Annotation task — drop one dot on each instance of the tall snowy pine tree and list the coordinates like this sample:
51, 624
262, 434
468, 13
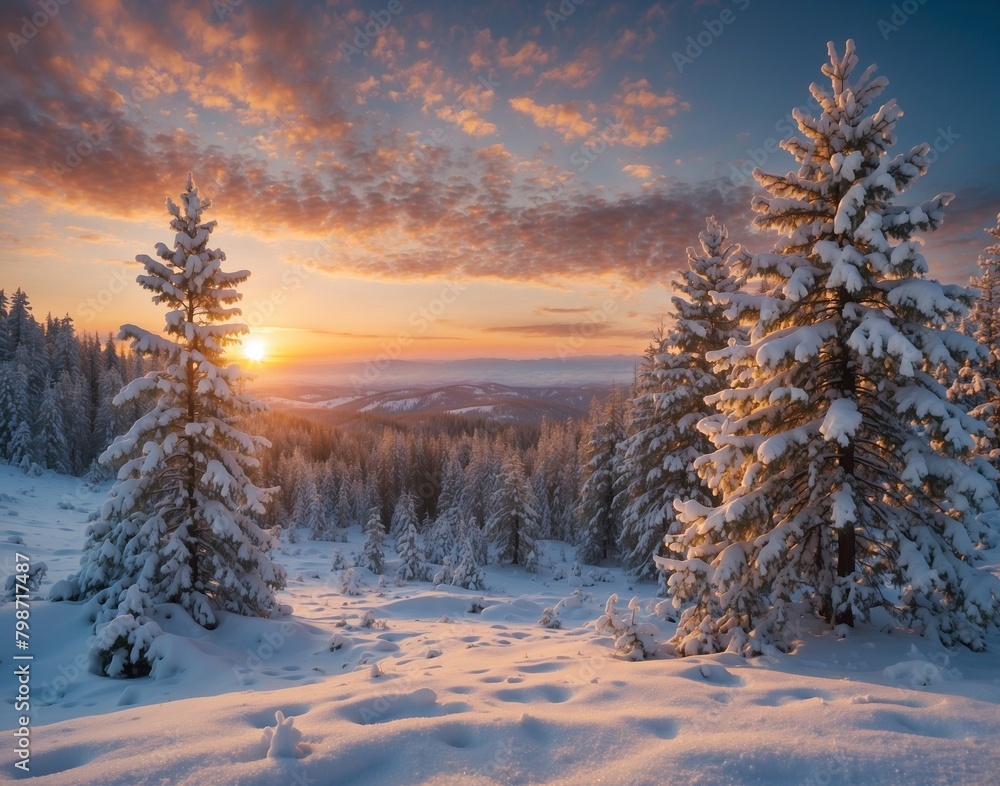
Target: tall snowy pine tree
658, 457
845, 473
180, 522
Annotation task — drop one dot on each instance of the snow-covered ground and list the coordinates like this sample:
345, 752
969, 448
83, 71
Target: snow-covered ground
456, 687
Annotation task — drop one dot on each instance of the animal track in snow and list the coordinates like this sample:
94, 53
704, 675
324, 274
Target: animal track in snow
549, 693
421, 703
779, 698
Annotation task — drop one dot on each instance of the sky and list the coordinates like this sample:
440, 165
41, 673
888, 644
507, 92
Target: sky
442, 180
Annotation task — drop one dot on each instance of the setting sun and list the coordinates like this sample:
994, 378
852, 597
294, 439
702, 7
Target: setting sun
254, 349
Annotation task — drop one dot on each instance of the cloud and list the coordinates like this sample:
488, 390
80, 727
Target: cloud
466, 112
88, 235
555, 310
25, 247
626, 43
341, 154
470, 121
354, 335
656, 12
481, 56
640, 171
563, 118
952, 250
577, 73
569, 239
593, 329
397, 206
643, 113
524, 61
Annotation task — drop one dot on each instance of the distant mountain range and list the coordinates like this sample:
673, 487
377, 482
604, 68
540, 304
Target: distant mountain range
488, 400
382, 374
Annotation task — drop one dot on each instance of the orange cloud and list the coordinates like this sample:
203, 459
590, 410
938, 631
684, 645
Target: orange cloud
640, 171
643, 113
525, 59
563, 118
577, 73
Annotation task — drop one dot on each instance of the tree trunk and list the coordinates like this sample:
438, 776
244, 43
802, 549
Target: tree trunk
846, 555
847, 546
192, 478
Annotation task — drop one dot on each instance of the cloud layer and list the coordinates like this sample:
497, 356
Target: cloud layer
400, 141
295, 120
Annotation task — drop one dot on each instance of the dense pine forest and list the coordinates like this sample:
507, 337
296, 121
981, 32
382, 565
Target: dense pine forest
57, 390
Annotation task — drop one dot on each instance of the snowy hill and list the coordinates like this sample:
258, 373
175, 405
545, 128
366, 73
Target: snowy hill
486, 400
448, 686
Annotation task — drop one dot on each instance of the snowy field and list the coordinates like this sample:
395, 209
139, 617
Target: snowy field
447, 686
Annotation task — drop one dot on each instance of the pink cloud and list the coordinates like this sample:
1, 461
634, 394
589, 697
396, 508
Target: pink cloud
566, 119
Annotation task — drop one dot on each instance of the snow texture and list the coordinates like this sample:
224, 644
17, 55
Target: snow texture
504, 701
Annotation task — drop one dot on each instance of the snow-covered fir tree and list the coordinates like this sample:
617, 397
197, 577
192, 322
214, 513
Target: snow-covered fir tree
180, 523
387, 472
109, 420
599, 510
5, 352
10, 411
328, 487
307, 507
467, 572
345, 505
658, 456
15, 411
51, 448
403, 516
512, 525
64, 349
846, 475
75, 404
362, 499
556, 480
32, 352
481, 480
412, 563
373, 554
439, 539
453, 517
977, 387
19, 324
449, 501
470, 533
642, 454
633, 640
446, 573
